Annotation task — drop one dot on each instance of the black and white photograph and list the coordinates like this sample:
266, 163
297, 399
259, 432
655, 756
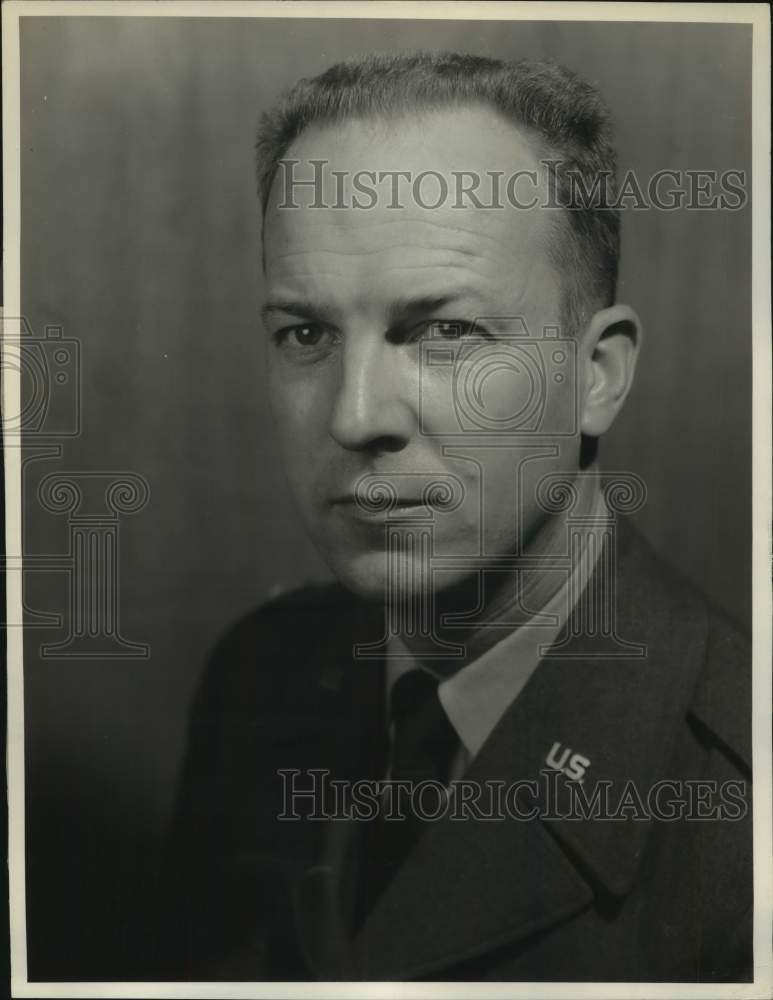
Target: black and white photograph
387, 453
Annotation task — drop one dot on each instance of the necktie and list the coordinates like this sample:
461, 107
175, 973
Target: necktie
423, 745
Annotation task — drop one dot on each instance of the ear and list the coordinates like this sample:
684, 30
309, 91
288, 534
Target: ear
610, 348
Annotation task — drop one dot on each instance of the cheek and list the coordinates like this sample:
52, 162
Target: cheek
510, 485
299, 406
504, 387
496, 393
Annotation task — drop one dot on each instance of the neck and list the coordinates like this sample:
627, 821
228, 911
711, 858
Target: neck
490, 605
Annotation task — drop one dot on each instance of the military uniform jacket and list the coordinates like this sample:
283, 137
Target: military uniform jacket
628, 896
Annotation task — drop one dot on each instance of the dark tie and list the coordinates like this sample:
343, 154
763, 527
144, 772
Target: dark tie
423, 746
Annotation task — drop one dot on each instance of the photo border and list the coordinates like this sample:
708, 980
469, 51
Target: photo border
756, 15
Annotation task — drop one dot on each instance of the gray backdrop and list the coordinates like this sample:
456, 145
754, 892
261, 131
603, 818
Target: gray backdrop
140, 238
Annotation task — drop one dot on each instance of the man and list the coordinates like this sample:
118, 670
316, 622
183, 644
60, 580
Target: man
445, 351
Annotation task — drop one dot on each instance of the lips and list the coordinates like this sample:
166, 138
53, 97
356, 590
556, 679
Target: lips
370, 510
401, 502
401, 495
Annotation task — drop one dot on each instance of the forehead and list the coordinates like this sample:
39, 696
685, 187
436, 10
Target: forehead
413, 227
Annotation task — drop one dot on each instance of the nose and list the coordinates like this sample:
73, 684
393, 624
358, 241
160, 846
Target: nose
372, 409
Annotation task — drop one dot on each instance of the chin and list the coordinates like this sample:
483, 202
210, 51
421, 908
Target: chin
366, 576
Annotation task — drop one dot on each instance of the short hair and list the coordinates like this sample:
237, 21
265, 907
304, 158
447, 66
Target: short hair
561, 113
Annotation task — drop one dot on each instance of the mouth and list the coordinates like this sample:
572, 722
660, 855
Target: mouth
375, 512
378, 498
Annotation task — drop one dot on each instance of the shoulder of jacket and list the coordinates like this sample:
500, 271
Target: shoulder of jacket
722, 703
721, 698
288, 613
280, 644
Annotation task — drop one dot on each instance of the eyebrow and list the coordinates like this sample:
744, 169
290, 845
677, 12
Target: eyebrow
293, 307
404, 308
397, 311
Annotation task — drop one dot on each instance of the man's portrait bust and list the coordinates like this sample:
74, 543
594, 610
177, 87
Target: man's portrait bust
508, 743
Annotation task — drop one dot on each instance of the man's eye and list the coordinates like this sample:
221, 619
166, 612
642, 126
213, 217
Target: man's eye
445, 329
302, 335
449, 329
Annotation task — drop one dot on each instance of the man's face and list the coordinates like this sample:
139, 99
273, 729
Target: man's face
353, 296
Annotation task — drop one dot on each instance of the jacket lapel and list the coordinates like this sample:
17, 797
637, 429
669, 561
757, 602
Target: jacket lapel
468, 887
